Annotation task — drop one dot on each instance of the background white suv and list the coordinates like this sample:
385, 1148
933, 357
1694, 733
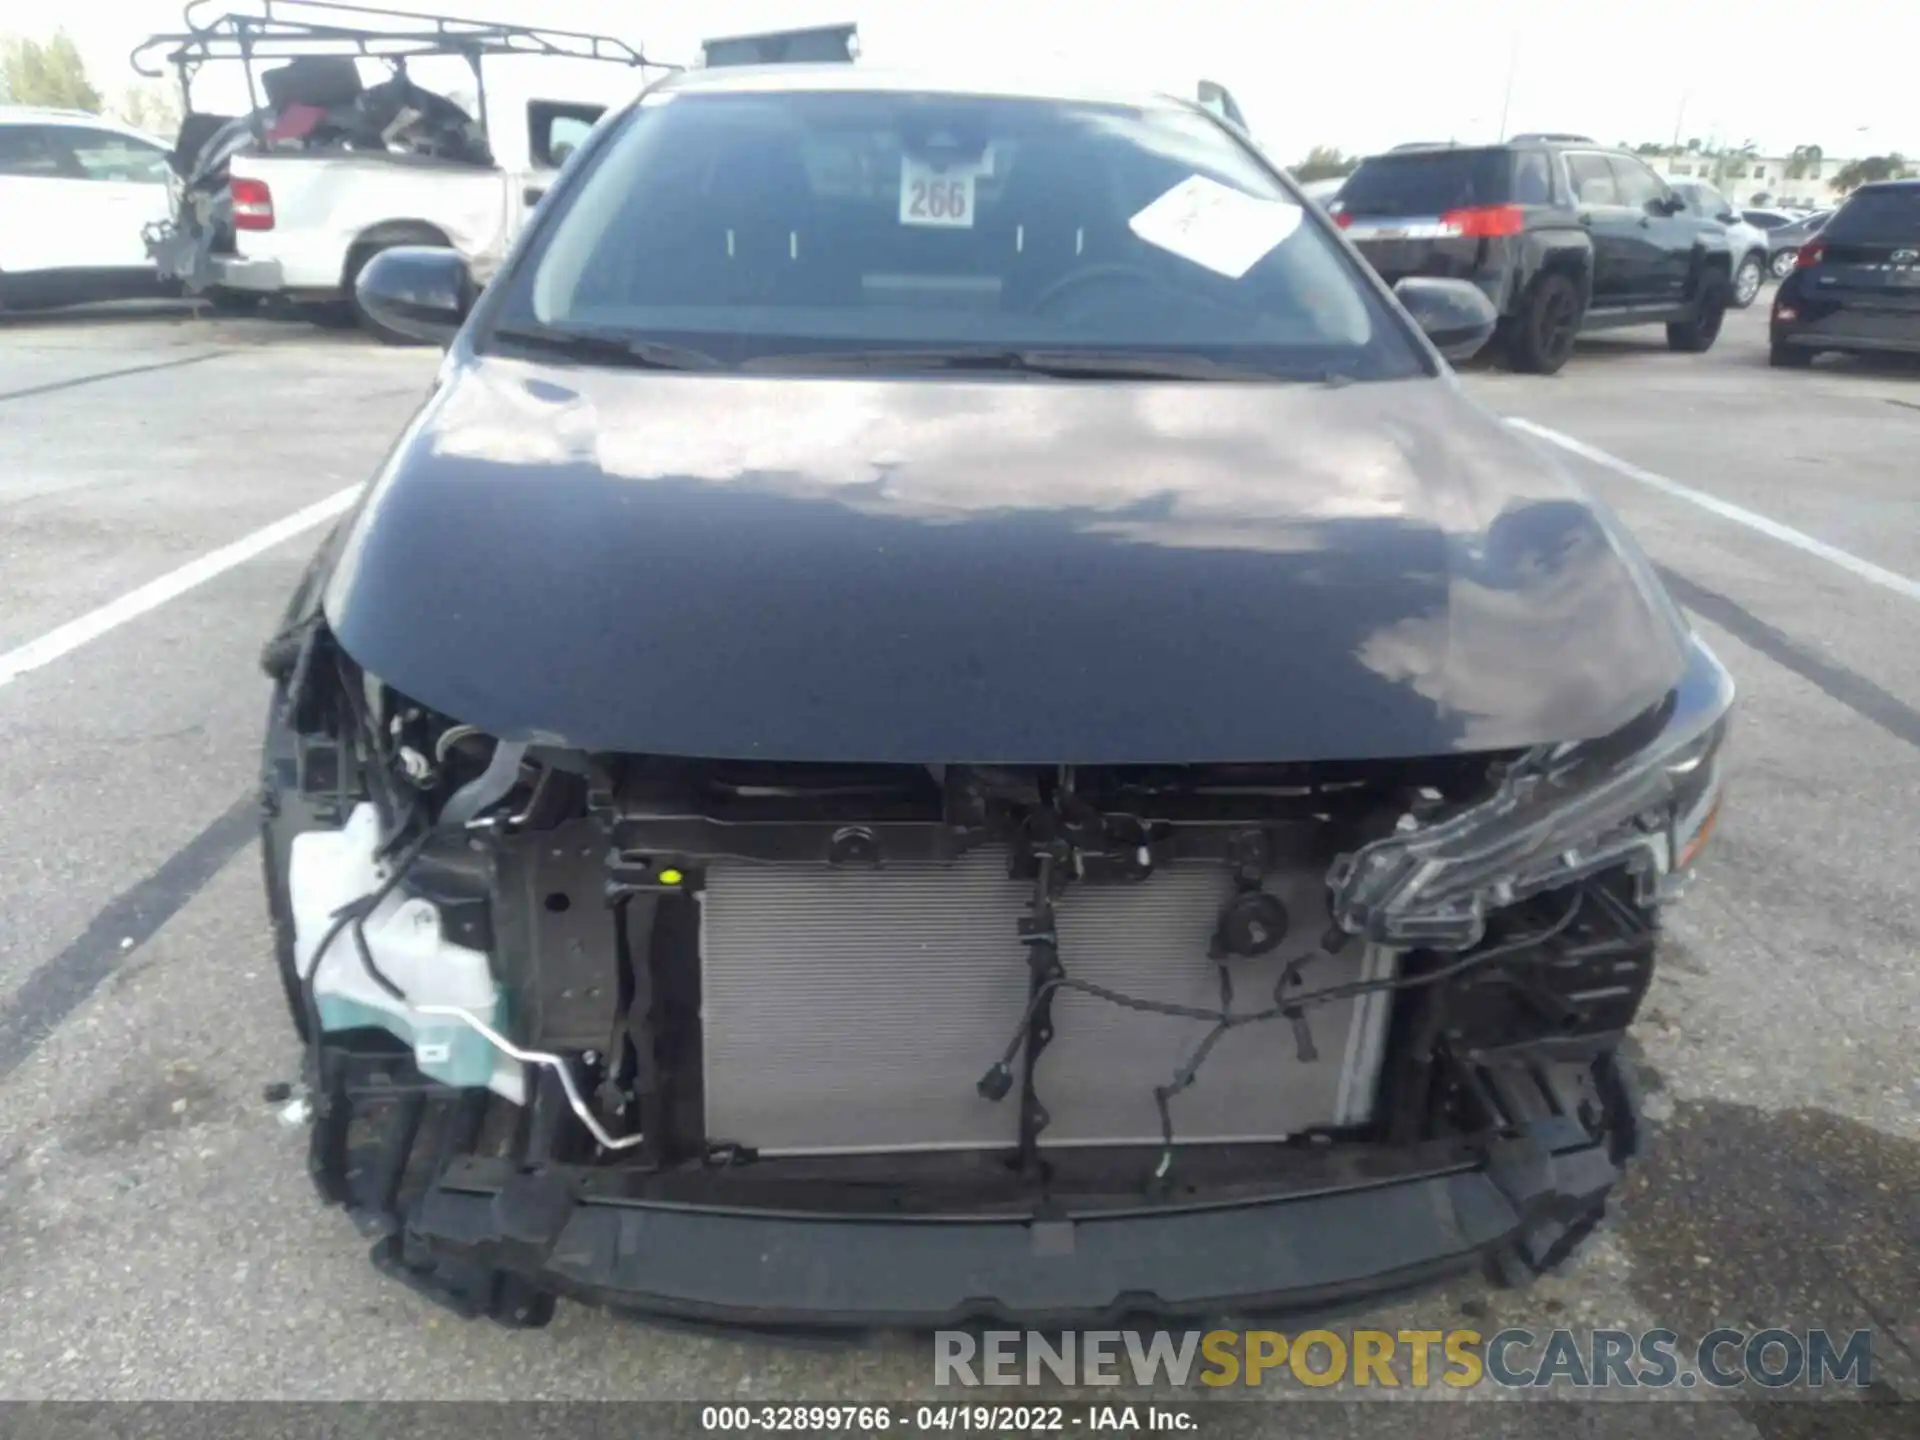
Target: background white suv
75, 192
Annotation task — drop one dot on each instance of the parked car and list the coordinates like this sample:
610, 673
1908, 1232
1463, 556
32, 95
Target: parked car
1784, 241
1566, 237
75, 192
293, 199
1856, 285
915, 624
1747, 242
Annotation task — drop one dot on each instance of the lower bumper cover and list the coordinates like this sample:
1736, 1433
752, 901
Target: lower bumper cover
1894, 332
1523, 1211
494, 1211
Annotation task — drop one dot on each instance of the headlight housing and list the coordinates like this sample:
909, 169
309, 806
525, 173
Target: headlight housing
1646, 798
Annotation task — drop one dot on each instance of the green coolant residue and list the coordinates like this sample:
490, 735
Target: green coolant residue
444, 1050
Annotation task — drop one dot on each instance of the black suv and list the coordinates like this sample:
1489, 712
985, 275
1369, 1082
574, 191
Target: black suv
1564, 235
1857, 285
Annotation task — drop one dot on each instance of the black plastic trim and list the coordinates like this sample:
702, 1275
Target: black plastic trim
783, 1270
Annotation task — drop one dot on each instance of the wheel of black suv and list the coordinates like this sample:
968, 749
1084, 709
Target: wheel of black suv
1782, 263
1696, 336
1789, 357
1540, 337
1747, 281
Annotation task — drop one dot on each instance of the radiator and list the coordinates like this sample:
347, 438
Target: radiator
854, 1011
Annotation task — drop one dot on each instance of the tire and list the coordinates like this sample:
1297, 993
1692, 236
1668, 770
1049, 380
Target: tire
1539, 338
1747, 281
1782, 263
1696, 336
357, 261
1782, 356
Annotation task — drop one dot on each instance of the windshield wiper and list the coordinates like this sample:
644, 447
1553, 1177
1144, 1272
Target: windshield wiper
1060, 364
604, 347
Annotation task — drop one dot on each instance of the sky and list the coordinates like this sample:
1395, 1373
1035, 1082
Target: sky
1360, 75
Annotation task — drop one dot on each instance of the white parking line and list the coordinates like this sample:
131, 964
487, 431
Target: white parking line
1753, 520
175, 583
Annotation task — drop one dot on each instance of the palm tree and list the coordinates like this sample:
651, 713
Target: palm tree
1731, 164
1805, 161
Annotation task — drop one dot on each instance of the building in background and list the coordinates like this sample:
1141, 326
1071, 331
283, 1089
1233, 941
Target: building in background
1803, 179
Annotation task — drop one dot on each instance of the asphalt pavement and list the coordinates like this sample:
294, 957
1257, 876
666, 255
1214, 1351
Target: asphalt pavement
158, 1235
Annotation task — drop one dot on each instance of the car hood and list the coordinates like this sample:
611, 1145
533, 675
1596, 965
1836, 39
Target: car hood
1015, 570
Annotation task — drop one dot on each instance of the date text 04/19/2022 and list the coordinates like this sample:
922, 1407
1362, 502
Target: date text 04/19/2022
913, 1419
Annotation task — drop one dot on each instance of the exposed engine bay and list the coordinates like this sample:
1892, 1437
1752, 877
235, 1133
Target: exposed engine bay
934, 990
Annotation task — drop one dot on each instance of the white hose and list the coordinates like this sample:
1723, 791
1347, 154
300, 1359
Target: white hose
536, 1057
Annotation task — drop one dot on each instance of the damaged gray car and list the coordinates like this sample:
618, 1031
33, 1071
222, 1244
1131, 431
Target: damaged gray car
949, 714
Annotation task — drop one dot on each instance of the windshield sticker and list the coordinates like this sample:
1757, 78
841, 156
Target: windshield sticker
1226, 230
939, 195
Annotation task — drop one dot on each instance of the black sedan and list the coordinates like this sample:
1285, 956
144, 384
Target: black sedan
1784, 241
948, 712
1857, 287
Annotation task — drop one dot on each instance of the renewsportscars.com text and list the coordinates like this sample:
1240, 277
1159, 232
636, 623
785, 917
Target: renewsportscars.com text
1413, 1359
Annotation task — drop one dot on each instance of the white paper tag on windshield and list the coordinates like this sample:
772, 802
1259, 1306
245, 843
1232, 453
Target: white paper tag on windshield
932, 196
1215, 225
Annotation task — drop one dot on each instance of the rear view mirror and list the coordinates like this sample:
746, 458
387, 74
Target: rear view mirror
1455, 315
421, 291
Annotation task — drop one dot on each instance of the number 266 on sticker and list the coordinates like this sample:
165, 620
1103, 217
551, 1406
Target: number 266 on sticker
931, 196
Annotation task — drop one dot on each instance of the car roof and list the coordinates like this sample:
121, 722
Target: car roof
840, 78
39, 114
1418, 148
47, 115
1885, 185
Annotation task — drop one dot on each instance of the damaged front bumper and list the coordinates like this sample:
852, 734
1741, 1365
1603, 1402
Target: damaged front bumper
491, 1238
600, 1146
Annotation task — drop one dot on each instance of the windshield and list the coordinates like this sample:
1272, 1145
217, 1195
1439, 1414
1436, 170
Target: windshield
755, 228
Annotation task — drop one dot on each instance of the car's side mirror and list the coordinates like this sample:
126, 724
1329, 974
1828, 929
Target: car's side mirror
421, 291
1217, 98
1726, 217
1455, 315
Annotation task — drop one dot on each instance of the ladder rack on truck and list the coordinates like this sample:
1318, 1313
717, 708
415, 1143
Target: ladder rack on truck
300, 29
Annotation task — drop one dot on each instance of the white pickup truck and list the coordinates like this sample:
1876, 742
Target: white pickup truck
304, 223
349, 154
